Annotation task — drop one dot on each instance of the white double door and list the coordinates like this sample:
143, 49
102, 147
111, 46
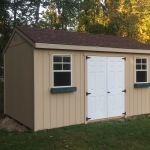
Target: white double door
105, 81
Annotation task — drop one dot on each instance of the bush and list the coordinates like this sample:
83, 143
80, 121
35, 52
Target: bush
1, 97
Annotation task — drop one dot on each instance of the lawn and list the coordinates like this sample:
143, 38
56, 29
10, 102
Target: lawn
131, 134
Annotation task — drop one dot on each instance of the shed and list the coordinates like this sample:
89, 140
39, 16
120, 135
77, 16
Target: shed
58, 78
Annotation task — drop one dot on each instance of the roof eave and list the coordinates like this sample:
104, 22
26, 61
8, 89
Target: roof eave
89, 48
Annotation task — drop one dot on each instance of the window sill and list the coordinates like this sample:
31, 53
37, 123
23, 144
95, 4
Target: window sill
141, 85
63, 90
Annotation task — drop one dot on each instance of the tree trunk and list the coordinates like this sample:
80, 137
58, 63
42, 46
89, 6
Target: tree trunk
37, 12
15, 11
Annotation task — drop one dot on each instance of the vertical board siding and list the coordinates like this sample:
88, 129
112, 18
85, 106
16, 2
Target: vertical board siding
64, 109
66, 106
72, 108
38, 90
133, 67
19, 83
56, 110
77, 84
53, 102
53, 110
46, 75
147, 101
131, 79
139, 101
72, 96
139, 97
143, 101
135, 110
127, 85
60, 109
82, 86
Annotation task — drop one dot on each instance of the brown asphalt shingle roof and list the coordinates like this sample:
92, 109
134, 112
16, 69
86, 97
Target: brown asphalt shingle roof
39, 35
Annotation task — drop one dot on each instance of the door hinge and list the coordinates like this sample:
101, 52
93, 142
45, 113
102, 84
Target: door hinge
124, 113
87, 118
124, 58
124, 91
87, 57
87, 93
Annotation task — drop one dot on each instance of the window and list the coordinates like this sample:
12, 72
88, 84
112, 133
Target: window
61, 70
141, 70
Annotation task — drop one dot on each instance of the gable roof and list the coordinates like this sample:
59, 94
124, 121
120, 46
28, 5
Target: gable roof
38, 35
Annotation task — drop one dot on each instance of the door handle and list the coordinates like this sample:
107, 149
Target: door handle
108, 92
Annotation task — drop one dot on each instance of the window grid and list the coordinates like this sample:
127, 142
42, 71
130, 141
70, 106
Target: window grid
141, 70
64, 61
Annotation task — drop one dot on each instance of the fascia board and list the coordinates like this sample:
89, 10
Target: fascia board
9, 40
89, 48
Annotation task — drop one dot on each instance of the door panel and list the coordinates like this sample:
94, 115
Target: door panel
96, 74
115, 74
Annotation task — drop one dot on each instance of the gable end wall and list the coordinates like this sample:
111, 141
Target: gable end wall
18, 84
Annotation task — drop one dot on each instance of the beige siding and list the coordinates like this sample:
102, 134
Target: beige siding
57, 110
16, 40
137, 100
127, 84
19, 83
139, 97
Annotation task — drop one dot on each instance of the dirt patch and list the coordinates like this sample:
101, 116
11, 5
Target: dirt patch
10, 124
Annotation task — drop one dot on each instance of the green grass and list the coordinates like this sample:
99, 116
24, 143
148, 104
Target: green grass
132, 134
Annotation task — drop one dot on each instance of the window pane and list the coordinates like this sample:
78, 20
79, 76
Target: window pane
66, 67
138, 60
138, 66
57, 59
62, 78
144, 67
144, 61
141, 76
66, 59
57, 66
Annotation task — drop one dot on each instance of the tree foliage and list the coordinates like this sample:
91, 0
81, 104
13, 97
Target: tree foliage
5, 26
129, 18
60, 15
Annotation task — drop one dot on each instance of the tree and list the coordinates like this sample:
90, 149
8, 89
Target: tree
5, 26
123, 17
60, 15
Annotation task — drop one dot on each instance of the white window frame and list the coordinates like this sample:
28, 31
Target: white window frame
141, 70
61, 70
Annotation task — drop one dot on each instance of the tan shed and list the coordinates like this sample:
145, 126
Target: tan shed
58, 78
